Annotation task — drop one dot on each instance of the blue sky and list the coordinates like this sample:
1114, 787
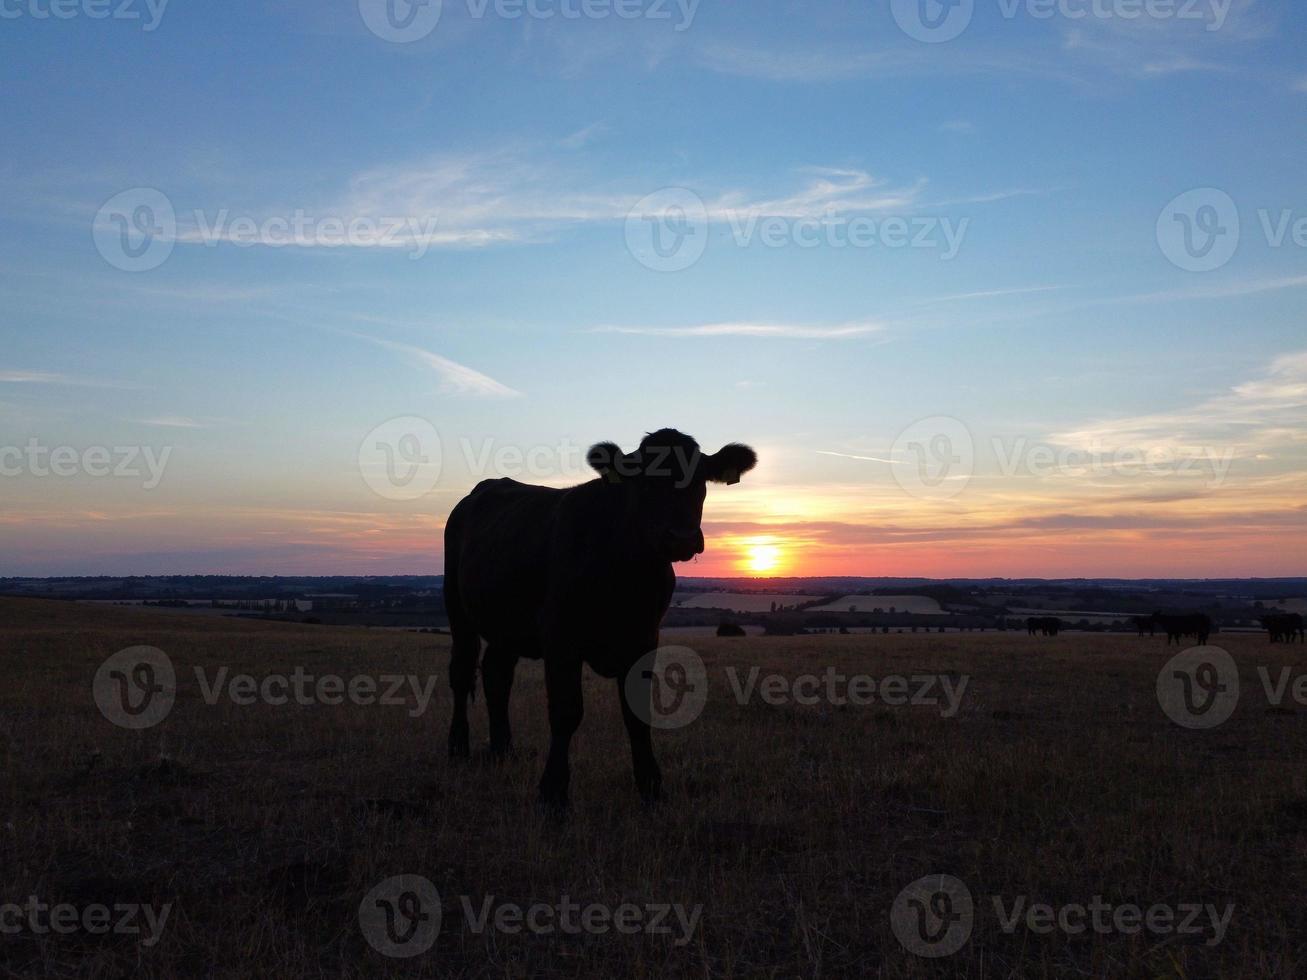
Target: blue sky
1032, 157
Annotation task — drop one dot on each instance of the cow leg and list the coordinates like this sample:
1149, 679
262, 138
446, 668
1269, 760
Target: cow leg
462, 676
648, 777
497, 671
563, 687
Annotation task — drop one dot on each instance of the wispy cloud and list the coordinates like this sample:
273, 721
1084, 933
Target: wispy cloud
1260, 419
1204, 40
581, 137
181, 422
869, 459
1199, 292
525, 195
992, 197
830, 64
204, 292
52, 378
34, 378
455, 378
990, 294
771, 330
829, 191
1219, 290
508, 198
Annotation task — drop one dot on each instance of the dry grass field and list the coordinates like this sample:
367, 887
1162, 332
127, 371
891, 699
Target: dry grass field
790, 827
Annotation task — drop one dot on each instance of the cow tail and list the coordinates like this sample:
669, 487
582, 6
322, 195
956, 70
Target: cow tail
465, 647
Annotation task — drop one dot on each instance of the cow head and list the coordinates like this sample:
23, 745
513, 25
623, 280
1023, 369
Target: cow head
665, 481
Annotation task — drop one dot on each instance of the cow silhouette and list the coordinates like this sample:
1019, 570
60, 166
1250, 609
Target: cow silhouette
576, 576
1145, 624
1177, 627
730, 629
1043, 625
1283, 627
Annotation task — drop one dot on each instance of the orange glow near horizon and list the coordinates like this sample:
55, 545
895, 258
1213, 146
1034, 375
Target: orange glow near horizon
1053, 528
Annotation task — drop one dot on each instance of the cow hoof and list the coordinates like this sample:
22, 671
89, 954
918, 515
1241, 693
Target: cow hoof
458, 747
651, 789
553, 798
501, 753
555, 810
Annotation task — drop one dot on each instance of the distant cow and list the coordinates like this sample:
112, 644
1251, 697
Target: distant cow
1176, 628
1284, 627
1145, 624
1043, 625
730, 629
572, 576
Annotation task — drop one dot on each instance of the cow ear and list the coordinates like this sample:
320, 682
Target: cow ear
605, 458
729, 463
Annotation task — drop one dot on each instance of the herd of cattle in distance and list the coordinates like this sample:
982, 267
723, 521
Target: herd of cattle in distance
1176, 628
1281, 627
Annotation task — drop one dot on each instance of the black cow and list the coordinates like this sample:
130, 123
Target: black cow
1176, 628
1145, 624
581, 575
1283, 627
1045, 625
731, 629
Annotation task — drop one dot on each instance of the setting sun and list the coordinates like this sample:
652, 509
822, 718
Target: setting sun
764, 557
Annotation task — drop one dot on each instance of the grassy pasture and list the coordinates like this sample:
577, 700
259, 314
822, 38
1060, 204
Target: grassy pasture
792, 826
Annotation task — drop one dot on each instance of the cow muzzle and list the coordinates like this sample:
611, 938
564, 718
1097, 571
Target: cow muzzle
683, 545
